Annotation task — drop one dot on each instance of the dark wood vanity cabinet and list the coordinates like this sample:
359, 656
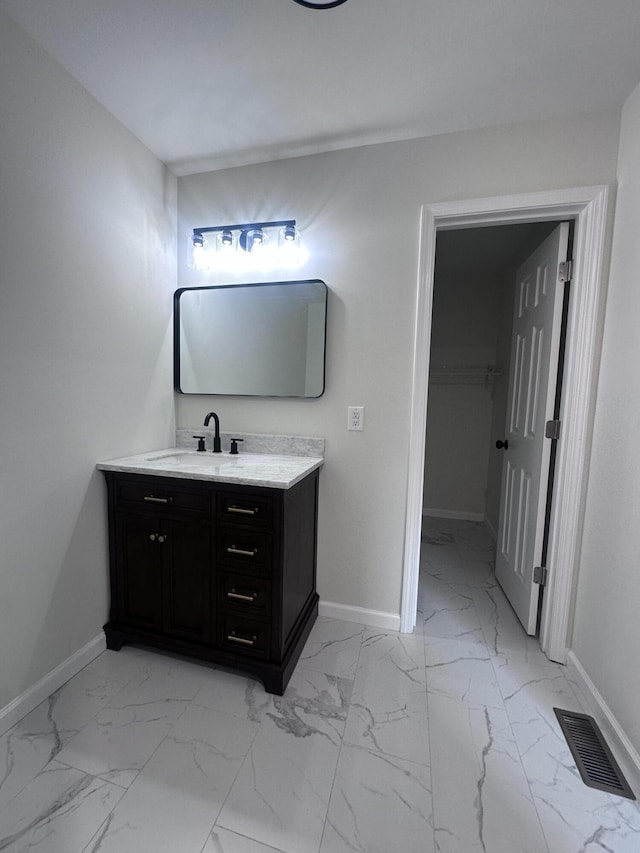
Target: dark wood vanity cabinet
222, 572
163, 574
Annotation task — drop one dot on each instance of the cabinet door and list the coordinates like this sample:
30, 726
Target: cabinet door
186, 549
139, 569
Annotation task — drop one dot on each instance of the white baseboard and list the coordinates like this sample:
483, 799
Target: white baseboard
492, 529
33, 696
453, 513
595, 705
375, 618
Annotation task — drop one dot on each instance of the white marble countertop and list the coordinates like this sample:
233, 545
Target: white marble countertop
249, 469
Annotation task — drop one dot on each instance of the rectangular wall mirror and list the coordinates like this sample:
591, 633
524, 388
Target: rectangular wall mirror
256, 340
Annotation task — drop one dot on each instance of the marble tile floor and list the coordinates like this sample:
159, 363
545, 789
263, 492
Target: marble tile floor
443, 741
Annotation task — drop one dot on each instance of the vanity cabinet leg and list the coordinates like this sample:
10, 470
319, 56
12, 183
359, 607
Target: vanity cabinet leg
115, 640
274, 683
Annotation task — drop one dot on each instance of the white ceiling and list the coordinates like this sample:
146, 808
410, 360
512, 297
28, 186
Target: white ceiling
213, 83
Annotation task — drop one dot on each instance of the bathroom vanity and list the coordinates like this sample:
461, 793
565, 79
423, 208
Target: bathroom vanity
214, 557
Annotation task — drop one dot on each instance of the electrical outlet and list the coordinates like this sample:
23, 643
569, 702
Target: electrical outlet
355, 418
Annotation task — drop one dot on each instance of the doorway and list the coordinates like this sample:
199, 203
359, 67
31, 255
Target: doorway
469, 468
588, 207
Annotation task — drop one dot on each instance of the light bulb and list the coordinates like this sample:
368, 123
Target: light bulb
226, 245
252, 239
201, 258
289, 246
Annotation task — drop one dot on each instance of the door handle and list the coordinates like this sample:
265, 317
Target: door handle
502, 445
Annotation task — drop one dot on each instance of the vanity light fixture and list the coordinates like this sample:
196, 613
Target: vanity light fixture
253, 238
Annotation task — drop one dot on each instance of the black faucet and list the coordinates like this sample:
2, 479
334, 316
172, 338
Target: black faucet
216, 437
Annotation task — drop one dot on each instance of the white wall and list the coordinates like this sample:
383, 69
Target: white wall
457, 450
606, 637
87, 241
359, 211
464, 332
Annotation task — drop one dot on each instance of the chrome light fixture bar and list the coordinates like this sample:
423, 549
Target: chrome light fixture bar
250, 237
251, 233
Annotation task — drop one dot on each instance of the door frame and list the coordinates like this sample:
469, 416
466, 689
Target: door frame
588, 206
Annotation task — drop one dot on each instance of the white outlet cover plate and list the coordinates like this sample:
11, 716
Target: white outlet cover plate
355, 418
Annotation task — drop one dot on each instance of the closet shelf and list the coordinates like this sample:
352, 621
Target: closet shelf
445, 374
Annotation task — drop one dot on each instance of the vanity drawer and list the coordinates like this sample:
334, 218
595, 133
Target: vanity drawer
165, 497
249, 549
243, 591
242, 508
244, 635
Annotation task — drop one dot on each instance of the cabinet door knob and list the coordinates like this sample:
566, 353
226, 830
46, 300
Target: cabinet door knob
162, 538
152, 537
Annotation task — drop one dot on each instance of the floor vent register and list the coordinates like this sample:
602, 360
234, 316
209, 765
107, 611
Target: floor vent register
592, 755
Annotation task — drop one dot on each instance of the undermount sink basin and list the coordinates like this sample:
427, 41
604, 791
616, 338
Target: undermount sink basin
206, 460
165, 457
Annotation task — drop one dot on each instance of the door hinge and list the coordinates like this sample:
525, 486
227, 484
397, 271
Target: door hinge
540, 575
552, 430
565, 271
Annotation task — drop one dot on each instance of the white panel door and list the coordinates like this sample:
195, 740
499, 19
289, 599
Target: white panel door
535, 349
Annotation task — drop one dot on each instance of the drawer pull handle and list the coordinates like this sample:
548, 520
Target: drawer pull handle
241, 511
233, 550
244, 640
155, 500
239, 597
